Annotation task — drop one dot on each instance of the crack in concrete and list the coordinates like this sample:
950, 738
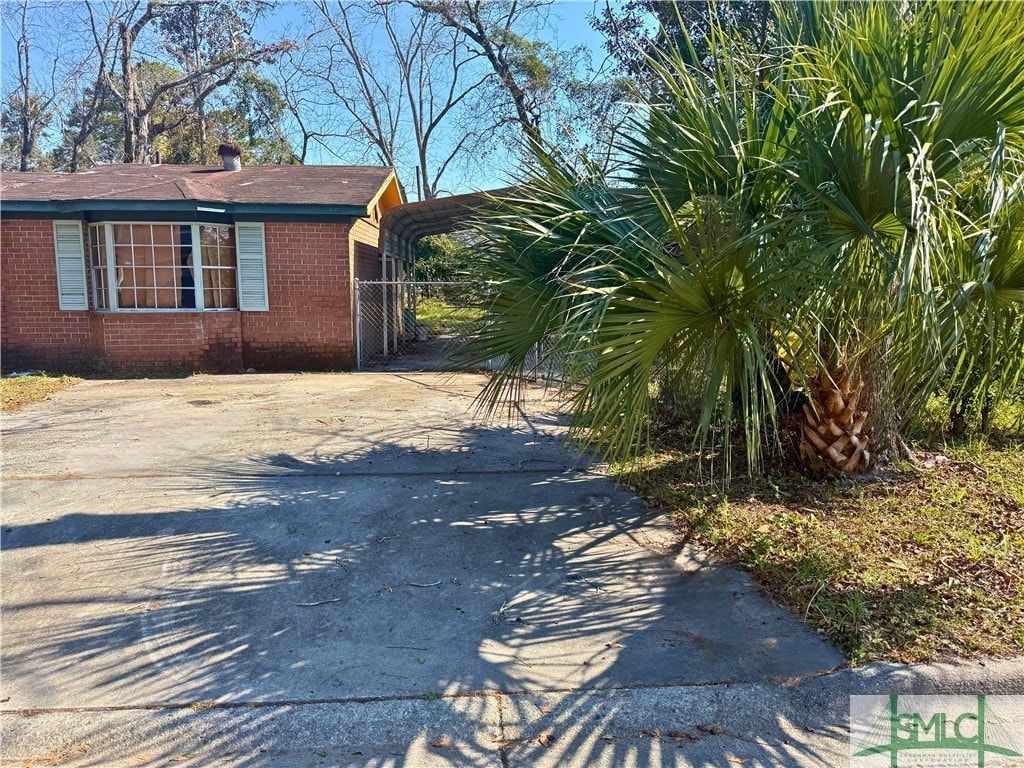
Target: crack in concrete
502, 741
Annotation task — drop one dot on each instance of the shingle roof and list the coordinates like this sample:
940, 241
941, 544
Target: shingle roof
335, 185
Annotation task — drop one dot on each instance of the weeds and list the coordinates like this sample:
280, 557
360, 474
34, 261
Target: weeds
19, 392
914, 564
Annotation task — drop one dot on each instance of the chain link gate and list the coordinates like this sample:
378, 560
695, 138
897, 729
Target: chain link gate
413, 325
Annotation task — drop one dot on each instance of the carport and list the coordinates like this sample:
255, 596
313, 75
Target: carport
405, 225
386, 308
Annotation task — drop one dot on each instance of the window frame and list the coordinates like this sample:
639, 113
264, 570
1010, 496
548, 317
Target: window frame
111, 266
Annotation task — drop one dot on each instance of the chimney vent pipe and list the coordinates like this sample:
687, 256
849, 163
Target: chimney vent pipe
231, 154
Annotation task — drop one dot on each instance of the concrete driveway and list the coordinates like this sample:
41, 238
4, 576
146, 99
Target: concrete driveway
352, 570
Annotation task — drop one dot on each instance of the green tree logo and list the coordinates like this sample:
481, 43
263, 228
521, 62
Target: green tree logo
945, 732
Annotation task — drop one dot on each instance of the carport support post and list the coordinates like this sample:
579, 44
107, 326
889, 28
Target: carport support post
384, 297
397, 326
384, 307
359, 328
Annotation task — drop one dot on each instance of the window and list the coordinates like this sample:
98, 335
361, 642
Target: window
156, 266
220, 265
98, 266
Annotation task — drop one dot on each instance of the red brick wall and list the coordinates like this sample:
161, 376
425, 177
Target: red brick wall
308, 327
169, 341
34, 333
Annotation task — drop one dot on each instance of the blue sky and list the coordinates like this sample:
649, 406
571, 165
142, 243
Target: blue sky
568, 26
569, 23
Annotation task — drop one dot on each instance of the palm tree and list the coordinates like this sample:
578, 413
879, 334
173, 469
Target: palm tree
841, 216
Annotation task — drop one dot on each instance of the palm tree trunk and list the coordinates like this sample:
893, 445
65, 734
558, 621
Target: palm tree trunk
834, 431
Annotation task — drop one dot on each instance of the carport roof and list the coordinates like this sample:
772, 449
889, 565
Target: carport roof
403, 225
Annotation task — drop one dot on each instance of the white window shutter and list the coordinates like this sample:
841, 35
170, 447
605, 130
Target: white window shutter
252, 267
70, 250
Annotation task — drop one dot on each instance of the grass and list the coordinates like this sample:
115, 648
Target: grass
918, 564
19, 392
439, 315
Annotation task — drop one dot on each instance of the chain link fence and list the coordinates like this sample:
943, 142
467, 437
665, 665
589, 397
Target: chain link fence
413, 325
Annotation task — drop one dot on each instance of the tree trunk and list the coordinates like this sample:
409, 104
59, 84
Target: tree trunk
834, 432
26, 90
87, 127
142, 139
958, 418
84, 132
136, 115
26, 143
202, 134
130, 98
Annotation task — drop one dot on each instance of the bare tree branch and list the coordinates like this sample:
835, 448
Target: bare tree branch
31, 106
401, 96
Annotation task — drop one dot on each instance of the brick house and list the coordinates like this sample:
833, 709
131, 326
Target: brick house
171, 267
